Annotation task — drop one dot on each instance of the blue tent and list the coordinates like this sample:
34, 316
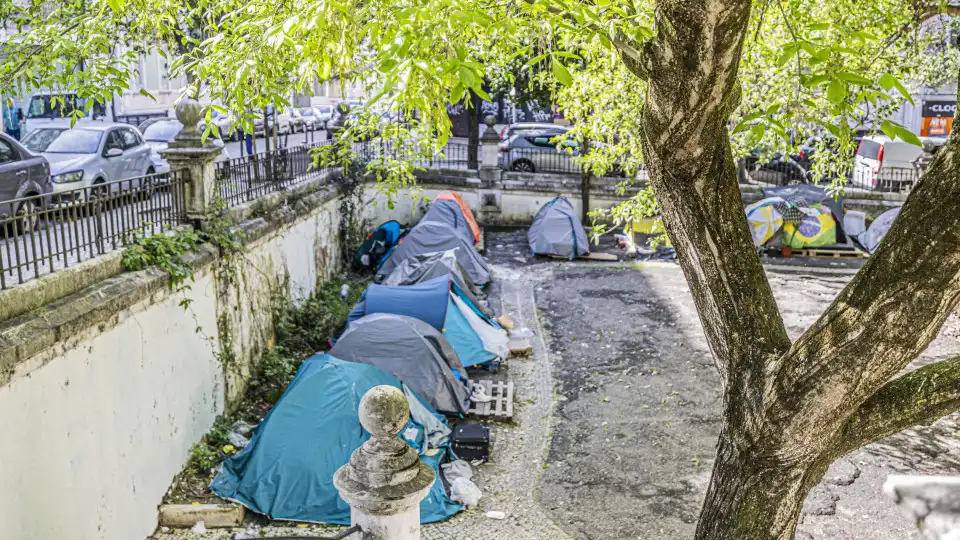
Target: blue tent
432, 302
448, 212
286, 472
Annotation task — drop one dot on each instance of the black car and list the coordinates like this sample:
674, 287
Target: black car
24, 176
775, 169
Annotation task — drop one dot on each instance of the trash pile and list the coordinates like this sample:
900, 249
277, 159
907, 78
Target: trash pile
420, 329
807, 216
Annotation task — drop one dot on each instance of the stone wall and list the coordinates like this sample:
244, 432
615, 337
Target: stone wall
104, 391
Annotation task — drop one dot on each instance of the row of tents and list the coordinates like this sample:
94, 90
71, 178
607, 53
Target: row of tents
419, 329
810, 216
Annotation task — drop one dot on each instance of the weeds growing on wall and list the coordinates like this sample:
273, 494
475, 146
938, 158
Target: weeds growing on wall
301, 331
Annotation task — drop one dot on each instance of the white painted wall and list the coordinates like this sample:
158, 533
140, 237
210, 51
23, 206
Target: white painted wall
92, 438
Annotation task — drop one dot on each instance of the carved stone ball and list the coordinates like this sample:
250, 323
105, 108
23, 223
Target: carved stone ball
189, 112
490, 120
384, 411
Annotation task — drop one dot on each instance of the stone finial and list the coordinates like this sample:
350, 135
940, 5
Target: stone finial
932, 502
189, 113
385, 480
490, 120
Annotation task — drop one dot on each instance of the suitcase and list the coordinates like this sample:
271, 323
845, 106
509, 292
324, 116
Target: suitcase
471, 442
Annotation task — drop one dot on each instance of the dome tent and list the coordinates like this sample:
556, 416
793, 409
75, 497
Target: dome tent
414, 352
464, 211
286, 471
431, 237
449, 213
557, 230
433, 265
439, 302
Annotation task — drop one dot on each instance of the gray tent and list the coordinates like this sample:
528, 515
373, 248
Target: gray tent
433, 265
414, 352
448, 212
431, 237
556, 230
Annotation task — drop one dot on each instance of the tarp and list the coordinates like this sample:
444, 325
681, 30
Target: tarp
431, 237
432, 265
464, 210
448, 213
764, 220
286, 472
557, 230
878, 229
378, 245
422, 301
414, 352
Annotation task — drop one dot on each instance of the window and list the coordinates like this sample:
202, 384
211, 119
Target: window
869, 149
114, 140
63, 141
7, 153
130, 138
162, 131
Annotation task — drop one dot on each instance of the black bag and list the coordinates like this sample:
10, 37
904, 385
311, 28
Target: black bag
471, 442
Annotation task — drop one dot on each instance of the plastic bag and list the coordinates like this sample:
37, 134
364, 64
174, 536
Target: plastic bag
465, 492
457, 469
238, 434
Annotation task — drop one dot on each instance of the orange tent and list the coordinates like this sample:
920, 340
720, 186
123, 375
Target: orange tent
464, 209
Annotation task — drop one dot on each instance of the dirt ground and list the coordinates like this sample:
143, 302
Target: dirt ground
637, 418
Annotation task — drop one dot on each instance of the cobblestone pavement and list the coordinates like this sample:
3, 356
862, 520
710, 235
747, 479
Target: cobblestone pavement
510, 479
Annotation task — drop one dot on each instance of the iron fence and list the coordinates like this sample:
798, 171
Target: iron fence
45, 233
535, 160
453, 155
248, 178
889, 180
774, 173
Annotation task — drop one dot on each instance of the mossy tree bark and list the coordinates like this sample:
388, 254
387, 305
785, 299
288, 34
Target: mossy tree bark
789, 409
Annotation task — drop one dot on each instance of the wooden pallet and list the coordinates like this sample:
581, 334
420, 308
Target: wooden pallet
500, 407
830, 253
592, 256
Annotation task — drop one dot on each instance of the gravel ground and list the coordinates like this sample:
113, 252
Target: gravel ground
617, 412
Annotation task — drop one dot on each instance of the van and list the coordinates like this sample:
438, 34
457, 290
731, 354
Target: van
884, 164
49, 107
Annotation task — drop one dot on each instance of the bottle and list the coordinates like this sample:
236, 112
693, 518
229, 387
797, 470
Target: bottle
344, 291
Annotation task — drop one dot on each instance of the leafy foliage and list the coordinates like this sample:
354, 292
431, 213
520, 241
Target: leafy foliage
165, 251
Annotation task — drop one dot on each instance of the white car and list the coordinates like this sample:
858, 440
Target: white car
224, 123
283, 122
91, 153
884, 164
158, 136
313, 118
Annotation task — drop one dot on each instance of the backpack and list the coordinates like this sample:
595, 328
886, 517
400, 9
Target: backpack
378, 245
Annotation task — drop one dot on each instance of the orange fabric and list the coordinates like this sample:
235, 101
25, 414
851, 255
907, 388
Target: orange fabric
467, 214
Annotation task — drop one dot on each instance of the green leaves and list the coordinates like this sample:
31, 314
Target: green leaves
896, 131
837, 92
888, 82
560, 72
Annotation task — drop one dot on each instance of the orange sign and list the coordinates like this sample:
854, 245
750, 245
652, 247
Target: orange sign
936, 127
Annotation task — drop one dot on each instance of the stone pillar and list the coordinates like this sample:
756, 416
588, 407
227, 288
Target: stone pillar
489, 154
385, 480
931, 502
188, 152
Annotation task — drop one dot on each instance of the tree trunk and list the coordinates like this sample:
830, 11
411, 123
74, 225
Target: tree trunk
473, 132
754, 498
585, 178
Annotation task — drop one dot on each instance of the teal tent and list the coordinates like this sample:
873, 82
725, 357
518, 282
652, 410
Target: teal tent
286, 472
439, 302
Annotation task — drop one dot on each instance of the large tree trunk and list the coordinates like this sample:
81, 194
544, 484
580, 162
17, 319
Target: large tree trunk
789, 409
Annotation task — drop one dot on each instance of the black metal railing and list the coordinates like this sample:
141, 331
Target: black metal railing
774, 173
245, 179
452, 156
45, 233
535, 160
890, 179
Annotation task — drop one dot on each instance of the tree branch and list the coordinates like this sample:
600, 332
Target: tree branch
883, 319
920, 397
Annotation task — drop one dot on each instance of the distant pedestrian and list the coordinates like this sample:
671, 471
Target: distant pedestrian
249, 139
12, 118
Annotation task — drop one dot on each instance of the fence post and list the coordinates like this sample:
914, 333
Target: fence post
385, 480
489, 154
931, 502
188, 152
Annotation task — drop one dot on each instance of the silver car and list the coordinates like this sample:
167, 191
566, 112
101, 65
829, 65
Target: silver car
158, 136
535, 151
90, 154
22, 174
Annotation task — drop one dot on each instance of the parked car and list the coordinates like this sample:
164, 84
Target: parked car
90, 154
312, 118
282, 118
224, 123
535, 150
22, 174
884, 164
775, 169
512, 129
158, 136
